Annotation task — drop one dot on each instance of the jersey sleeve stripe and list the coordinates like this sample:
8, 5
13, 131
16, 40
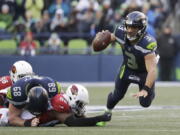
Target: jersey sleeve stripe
142, 49
58, 86
120, 41
9, 95
122, 71
152, 46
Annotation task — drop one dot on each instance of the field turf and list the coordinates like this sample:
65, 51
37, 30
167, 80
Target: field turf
162, 118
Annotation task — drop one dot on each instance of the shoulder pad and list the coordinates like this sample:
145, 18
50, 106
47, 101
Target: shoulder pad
50, 85
152, 46
149, 42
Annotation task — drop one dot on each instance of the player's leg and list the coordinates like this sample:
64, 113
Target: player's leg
146, 102
121, 86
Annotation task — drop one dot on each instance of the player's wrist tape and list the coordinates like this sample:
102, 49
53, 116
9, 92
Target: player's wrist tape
27, 123
146, 88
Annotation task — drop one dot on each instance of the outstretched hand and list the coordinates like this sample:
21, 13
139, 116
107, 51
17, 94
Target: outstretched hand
106, 116
142, 93
34, 122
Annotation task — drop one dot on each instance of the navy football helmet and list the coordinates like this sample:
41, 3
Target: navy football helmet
137, 20
37, 100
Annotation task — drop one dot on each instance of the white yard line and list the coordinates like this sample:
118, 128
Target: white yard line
100, 108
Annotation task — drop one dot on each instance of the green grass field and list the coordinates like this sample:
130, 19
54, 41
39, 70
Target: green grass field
162, 118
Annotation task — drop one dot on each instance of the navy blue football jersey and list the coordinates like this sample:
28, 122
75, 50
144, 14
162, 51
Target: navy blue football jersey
134, 54
17, 94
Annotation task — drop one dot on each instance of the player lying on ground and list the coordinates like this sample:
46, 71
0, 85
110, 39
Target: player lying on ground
73, 100
18, 70
34, 94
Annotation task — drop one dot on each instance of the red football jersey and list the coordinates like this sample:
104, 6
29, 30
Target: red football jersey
5, 82
59, 104
45, 117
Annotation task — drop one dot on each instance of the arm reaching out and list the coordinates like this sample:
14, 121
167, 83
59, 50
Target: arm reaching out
151, 63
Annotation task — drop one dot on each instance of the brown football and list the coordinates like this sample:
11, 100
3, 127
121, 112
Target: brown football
101, 41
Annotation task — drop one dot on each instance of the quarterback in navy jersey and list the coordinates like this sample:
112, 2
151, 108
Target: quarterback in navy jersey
140, 60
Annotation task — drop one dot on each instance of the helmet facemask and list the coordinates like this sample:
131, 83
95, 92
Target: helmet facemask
136, 34
79, 108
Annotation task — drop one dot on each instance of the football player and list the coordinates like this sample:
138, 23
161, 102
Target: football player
74, 100
34, 94
140, 60
18, 70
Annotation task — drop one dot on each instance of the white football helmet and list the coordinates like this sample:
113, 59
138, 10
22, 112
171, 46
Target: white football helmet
78, 97
20, 69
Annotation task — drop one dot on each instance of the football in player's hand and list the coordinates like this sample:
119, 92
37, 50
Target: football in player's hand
101, 41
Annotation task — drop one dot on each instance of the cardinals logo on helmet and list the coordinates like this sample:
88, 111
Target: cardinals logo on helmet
74, 90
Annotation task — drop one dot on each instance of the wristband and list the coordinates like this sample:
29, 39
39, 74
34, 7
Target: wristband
146, 88
27, 123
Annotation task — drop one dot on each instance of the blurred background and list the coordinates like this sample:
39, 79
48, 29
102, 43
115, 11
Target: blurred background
55, 36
